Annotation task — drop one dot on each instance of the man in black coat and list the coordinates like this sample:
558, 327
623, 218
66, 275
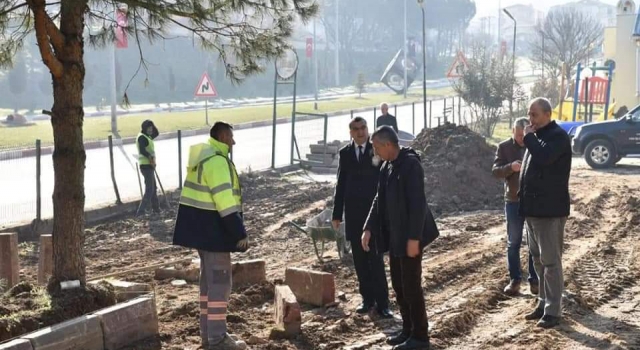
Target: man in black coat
386, 118
401, 223
545, 204
357, 183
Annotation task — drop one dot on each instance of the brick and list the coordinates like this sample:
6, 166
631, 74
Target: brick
190, 273
79, 333
18, 344
287, 311
126, 290
249, 272
45, 262
128, 322
311, 287
9, 269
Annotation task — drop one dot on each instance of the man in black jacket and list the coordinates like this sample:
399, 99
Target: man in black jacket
386, 118
147, 163
358, 174
403, 225
545, 203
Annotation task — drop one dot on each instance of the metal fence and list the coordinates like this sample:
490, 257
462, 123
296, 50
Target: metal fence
111, 175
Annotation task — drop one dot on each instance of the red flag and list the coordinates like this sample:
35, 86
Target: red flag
121, 35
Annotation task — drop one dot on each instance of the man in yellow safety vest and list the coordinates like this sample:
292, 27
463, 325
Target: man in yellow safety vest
210, 220
147, 162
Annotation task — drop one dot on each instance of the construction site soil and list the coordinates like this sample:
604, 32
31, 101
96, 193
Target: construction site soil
457, 167
464, 271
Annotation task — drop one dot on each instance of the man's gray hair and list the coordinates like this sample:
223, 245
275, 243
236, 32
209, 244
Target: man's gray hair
383, 104
357, 120
520, 123
543, 103
385, 134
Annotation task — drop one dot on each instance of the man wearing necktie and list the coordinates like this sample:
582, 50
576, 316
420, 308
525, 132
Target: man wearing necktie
358, 174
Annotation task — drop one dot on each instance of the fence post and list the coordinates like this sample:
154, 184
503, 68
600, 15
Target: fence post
413, 118
459, 109
326, 127
453, 109
395, 110
180, 159
113, 171
444, 111
430, 114
38, 185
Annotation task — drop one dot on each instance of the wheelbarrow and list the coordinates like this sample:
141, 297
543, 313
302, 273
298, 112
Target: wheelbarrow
320, 230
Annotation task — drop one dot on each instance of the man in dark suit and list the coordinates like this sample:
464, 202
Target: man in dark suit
386, 118
358, 174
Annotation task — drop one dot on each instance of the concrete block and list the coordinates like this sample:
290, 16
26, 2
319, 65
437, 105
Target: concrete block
9, 269
18, 344
287, 311
128, 322
328, 159
126, 290
249, 272
79, 333
190, 273
311, 287
320, 149
45, 262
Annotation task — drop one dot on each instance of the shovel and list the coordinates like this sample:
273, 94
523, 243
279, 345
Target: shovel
166, 201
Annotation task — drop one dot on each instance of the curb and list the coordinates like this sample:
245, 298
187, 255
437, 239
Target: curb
31, 152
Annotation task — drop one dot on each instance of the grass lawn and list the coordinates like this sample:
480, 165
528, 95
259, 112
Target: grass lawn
501, 132
98, 128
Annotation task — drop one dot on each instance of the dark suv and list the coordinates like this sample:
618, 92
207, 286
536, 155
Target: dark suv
605, 143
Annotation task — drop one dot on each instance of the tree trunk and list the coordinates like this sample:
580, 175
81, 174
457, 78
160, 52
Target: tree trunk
69, 154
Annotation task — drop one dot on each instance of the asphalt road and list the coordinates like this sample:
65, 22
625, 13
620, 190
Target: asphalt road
252, 151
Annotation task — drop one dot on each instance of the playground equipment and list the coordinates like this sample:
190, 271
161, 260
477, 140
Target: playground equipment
592, 91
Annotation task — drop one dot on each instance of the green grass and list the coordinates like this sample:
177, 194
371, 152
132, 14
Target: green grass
501, 132
99, 128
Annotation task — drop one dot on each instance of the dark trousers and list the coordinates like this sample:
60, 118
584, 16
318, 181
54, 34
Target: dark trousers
371, 276
406, 279
150, 190
515, 226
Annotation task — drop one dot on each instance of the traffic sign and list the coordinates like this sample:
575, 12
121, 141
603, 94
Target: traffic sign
458, 67
205, 88
309, 47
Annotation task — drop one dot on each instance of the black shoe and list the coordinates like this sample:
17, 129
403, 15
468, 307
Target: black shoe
398, 339
548, 321
364, 308
385, 313
535, 315
413, 344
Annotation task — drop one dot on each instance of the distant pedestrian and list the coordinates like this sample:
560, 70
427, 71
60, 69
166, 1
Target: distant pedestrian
507, 167
545, 203
386, 118
403, 225
147, 163
357, 184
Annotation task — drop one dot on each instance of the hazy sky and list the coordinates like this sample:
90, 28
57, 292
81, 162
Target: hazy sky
490, 7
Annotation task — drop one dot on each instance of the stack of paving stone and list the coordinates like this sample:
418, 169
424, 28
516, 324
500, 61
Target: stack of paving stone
324, 158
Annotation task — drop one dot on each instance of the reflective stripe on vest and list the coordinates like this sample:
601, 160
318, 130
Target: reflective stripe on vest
142, 160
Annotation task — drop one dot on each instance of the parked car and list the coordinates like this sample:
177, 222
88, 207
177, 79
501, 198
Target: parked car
605, 143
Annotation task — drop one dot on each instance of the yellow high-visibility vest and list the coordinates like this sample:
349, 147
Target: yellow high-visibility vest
143, 160
212, 180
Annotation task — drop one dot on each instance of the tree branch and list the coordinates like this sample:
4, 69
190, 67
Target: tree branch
40, 18
55, 36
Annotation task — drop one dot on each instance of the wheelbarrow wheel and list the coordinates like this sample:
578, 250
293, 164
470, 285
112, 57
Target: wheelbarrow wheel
319, 252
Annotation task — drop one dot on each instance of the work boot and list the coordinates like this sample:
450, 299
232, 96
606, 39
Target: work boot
534, 287
535, 315
229, 342
548, 321
413, 344
398, 339
513, 288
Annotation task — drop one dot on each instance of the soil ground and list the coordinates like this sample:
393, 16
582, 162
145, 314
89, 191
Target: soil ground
464, 272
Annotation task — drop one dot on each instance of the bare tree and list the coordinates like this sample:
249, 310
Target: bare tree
242, 32
570, 36
485, 86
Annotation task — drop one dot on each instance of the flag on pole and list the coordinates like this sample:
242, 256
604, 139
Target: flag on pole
121, 25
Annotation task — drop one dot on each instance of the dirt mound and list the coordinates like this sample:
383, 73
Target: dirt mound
457, 166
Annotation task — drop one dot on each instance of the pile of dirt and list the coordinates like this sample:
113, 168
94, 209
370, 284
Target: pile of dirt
26, 308
457, 165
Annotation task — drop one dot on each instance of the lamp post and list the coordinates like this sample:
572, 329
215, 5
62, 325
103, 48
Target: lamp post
513, 68
424, 62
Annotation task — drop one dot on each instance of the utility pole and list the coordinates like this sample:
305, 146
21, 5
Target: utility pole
406, 86
337, 68
315, 65
499, 23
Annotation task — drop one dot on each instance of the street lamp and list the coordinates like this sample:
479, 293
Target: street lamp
515, 25
424, 62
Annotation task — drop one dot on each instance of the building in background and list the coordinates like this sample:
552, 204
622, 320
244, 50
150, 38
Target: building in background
605, 13
622, 47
